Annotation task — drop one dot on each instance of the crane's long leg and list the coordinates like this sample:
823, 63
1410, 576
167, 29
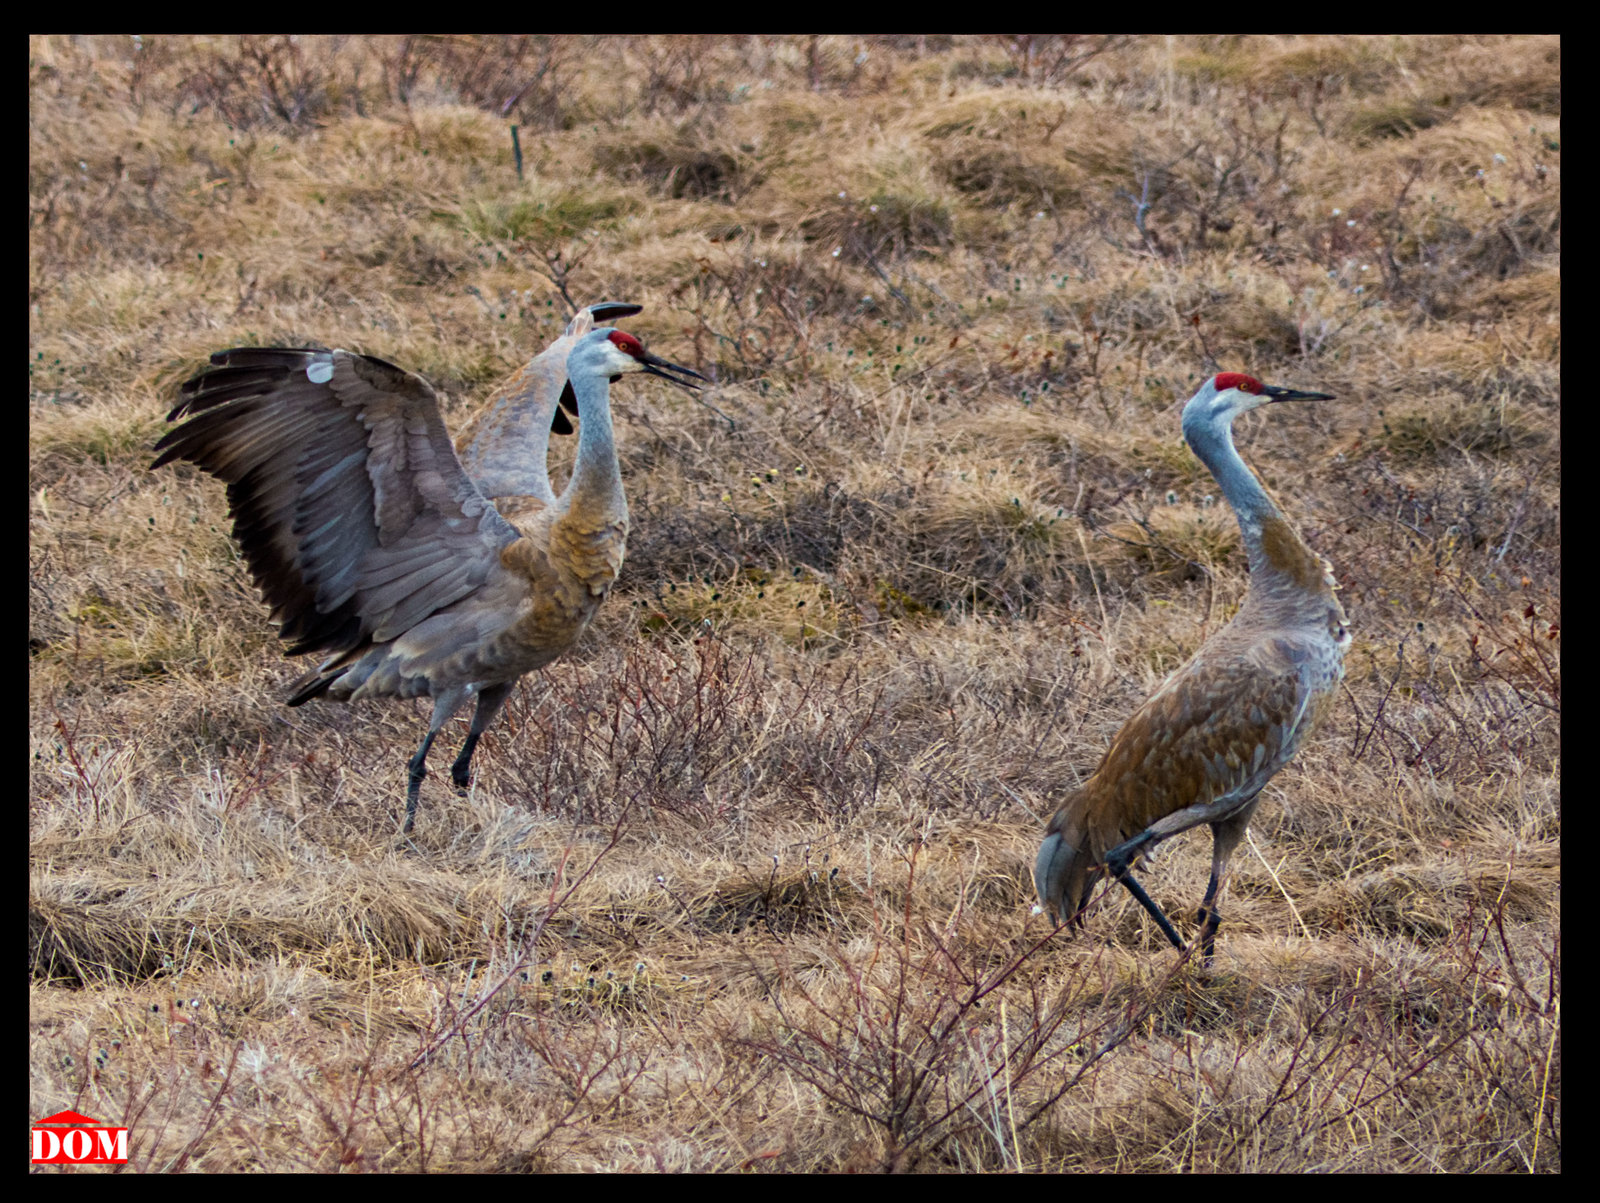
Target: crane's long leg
1137, 890
1225, 837
1226, 834
417, 767
416, 770
490, 701
1117, 864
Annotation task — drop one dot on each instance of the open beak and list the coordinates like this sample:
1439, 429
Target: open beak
561, 424
660, 367
1274, 393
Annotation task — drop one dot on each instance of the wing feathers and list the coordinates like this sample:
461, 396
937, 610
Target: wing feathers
1214, 733
353, 513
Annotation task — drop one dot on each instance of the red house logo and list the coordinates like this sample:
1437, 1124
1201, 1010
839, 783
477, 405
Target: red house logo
67, 1138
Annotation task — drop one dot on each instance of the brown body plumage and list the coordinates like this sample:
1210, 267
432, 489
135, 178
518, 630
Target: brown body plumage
1204, 745
371, 542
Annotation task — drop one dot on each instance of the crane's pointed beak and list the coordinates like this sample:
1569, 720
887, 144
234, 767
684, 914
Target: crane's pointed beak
657, 366
1274, 392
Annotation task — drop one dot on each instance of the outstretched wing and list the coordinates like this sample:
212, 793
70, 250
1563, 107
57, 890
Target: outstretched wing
506, 446
352, 510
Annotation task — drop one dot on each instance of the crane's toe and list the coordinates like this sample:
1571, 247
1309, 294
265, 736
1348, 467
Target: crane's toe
1120, 859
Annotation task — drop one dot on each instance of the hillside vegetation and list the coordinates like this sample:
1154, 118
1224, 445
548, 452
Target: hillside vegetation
743, 882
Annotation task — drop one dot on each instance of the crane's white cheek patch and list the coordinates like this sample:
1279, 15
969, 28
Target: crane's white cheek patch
319, 373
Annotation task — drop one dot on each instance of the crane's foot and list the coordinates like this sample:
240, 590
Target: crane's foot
1120, 859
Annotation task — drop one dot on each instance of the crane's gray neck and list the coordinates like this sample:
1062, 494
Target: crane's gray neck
596, 483
1289, 583
1214, 445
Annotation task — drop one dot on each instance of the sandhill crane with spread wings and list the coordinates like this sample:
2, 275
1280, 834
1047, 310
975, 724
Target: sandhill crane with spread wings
418, 571
1203, 746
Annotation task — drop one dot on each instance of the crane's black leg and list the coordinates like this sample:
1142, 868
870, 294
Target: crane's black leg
417, 769
490, 701
1117, 863
443, 707
1137, 890
1210, 919
1225, 837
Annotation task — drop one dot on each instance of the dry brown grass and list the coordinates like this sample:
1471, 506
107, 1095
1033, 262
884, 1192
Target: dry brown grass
742, 882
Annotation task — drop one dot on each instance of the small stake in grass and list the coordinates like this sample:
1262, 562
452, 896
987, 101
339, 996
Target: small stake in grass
420, 572
1203, 746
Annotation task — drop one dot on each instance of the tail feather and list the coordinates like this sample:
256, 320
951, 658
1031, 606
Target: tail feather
312, 685
1061, 877
1067, 867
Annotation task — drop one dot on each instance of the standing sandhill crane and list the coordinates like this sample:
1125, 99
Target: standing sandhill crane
1204, 744
370, 541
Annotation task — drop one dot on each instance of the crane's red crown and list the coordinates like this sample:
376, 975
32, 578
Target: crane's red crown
627, 343
1238, 380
